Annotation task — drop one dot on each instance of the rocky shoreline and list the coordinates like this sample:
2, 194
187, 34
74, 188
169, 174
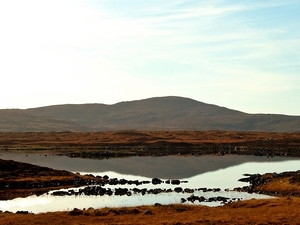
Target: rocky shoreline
98, 189
19, 179
272, 183
22, 179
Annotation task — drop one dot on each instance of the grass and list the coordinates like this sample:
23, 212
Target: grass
272, 211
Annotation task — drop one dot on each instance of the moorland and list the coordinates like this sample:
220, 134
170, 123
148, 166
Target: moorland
133, 142
284, 209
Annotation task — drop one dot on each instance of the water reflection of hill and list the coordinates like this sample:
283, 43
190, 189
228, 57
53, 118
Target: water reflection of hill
166, 167
174, 166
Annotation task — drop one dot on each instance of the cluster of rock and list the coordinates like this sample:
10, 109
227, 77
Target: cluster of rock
105, 180
17, 212
92, 211
256, 180
98, 189
221, 199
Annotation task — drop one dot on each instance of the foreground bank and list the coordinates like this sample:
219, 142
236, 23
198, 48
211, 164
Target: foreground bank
272, 211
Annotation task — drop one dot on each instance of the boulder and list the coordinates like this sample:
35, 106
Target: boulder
156, 181
178, 189
175, 182
148, 212
182, 200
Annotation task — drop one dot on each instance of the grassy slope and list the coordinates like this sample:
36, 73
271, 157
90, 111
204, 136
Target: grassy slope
15, 120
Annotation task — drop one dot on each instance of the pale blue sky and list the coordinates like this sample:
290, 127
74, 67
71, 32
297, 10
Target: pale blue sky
243, 55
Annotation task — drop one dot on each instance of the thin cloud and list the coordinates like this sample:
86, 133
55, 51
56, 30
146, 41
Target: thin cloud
85, 49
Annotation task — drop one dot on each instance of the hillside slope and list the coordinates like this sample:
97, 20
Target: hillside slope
161, 113
16, 120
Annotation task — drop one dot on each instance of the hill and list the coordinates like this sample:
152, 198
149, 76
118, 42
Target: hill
160, 113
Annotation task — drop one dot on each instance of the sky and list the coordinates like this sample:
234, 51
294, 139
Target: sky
243, 55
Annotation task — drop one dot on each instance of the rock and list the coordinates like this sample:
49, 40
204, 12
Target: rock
136, 190
169, 190
155, 191
192, 198
90, 210
202, 189
121, 191
116, 212
178, 189
182, 200
244, 179
134, 211
148, 212
156, 181
109, 192
75, 212
101, 191
222, 199
216, 189
61, 193
144, 191
113, 181
201, 199
22, 212
175, 182
123, 181
136, 182
188, 190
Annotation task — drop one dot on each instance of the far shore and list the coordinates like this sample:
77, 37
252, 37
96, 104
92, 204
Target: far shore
143, 143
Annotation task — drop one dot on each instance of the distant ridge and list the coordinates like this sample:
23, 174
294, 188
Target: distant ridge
159, 113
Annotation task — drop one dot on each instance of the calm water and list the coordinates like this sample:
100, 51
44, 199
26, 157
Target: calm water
201, 171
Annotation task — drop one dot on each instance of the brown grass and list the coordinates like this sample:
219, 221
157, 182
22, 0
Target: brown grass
274, 211
196, 142
281, 186
144, 137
